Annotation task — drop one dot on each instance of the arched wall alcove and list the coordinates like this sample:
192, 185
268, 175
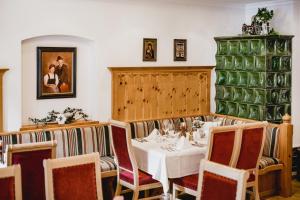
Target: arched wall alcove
86, 88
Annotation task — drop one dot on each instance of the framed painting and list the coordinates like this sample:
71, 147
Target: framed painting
179, 50
149, 49
56, 72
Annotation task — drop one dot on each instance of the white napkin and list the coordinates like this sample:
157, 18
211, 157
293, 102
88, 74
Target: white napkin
153, 135
183, 143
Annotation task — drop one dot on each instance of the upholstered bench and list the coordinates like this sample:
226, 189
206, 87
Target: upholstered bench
275, 164
71, 141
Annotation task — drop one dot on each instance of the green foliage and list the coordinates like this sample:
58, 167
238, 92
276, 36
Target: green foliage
264, 15
71, 115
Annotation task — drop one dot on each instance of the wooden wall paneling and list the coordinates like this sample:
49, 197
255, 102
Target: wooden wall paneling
179, 93
192, 94
141, 93
164, 95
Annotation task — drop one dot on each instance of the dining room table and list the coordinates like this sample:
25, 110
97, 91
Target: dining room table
161, 157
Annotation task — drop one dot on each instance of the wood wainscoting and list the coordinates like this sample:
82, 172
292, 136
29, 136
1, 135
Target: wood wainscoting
143, 93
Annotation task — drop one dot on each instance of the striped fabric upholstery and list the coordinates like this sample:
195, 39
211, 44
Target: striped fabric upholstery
71, 142
267, 161
144, 128
229, 121
271, 148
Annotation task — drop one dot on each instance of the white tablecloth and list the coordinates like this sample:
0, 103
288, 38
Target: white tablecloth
163, 164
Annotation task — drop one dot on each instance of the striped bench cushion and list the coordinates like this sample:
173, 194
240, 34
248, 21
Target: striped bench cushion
107, 163
271, 147
70, 142
268, 161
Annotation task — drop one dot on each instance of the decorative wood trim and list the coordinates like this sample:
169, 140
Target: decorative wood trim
56, 125
143, 93
2, 71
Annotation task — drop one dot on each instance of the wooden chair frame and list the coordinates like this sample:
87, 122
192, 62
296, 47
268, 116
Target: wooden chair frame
16, 148
240, 176
51, 164
255, 170
135, 187
13, 171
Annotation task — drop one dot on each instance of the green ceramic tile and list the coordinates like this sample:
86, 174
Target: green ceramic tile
253, 79
254, 76
220, 63
243, 110
273, 96
260, 63
233, 47
285, 64
221, 77
221, 107
270, 113
219, 92
249, 63
281, 46
227, 93
271, 46
229, 62
254, 112
244, 47
275, 64
280, 79
249, 95
231, 108
284, 96
242, 79
237, 94
232, 78
222, 48
279, 112
238, 62
260, 96
287, 109
271, 80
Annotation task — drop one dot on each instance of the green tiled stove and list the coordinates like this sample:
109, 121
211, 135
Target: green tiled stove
254, 76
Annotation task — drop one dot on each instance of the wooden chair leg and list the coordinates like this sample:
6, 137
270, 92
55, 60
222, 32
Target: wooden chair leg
135, 195
255, 190
174, 193
118, 189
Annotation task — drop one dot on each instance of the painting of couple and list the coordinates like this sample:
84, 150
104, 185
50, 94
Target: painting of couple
56, 72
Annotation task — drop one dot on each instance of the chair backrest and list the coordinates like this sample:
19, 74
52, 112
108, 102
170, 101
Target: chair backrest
10, 183
217, 181
76, 177
30, 157
222, 145
121, 143
252, 142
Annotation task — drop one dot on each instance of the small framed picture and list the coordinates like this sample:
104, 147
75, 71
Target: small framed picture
149, 49
179, 49
56, 72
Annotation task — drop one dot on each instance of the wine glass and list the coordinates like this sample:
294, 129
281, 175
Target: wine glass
182, 127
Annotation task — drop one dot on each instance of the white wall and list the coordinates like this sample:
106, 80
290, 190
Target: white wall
85, 72
286, 21
115, 29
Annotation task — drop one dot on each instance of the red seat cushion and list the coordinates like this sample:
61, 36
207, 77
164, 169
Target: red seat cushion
7, 186
144, 178
190, 181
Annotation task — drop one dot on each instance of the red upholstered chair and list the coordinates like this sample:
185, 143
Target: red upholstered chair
222, 147
10, 183
252, 142
128, 173
30, 156
75, 177
217, 181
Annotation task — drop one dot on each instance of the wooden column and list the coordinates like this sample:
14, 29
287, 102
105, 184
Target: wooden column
286, 140
2, 71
